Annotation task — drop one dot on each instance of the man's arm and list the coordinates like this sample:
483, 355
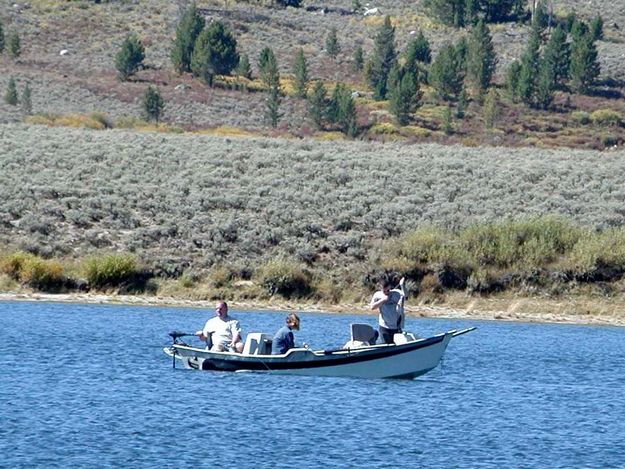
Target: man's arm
378, 301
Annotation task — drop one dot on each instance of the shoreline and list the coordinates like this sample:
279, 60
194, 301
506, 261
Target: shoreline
514, 312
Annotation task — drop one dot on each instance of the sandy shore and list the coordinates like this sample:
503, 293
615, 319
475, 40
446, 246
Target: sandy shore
524, 310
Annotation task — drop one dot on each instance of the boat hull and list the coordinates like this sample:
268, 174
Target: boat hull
406, 361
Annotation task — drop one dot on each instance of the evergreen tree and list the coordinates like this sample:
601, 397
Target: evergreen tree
129, 58
462, 54
545, 84
153, 104
347, 113
579, 29
570, 20
540, 17
27, 104
558, 55
463, 102
333, 107
289, 3
492, 108
404, 95
214, 52
243, 68
596, 28
417, 55
317, 104
481, 59
1, 38
446, 73
187, 31
332, 44
15, 46
383, 58
584, 64
449, 12
512, 79
300, 70
268, 68
358, 59
471, 10
272, 113
10, 97
528, 73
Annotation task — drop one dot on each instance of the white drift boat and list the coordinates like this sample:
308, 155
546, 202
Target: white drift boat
408, 358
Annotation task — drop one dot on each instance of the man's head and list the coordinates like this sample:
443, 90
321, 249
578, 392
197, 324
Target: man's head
221, 309
292, 321
386, 286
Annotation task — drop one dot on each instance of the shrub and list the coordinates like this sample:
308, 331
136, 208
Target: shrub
598, 250
283, 277
153, 104
10, 97
33, 271
110, 270
580, 117
15, 46
606, 117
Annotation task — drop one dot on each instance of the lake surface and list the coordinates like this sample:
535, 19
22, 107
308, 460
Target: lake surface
89, 386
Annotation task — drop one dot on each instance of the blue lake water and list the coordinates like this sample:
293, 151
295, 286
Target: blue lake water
89, 386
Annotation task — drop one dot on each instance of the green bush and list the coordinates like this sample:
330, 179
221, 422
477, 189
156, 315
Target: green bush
606, 117
283, 277
33, 271
110, 270
580, 117
598, 250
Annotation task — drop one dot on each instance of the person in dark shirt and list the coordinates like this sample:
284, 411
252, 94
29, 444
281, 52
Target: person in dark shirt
283, 340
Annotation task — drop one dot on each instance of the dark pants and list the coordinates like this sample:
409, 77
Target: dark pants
387, 334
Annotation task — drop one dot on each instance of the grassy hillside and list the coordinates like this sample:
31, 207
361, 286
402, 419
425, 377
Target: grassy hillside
84, 81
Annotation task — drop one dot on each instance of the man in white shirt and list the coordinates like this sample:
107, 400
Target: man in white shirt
391, 306
222, 331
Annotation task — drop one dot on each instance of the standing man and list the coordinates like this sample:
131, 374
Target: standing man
390, 303
222, 331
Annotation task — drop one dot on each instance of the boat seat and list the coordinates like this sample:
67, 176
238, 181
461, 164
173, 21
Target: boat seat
363, 333
257, 343
403, 338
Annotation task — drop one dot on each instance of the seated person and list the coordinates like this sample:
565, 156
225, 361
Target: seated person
283, 340
222, 331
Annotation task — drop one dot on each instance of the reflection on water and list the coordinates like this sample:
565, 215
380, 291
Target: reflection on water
89, 386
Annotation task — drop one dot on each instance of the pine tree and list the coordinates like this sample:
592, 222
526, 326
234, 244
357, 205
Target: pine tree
481, 59
300, 71
584, 64
383, 58
187, 31
268, 68
129, 58
570, 20
317, 104
417, 55
27, 104
462, 53
243, 68
579, 29
492, 108
332, 44
10, 97
15, 46
528, 73
404, 95
449, 12
1, 38
558, 55
332, 109
153, 104
596, 28
545, 84
214, 52
272, 113
540, 17
347, 114
462, 104
446, 73
471, 9
512, 79
358, 59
